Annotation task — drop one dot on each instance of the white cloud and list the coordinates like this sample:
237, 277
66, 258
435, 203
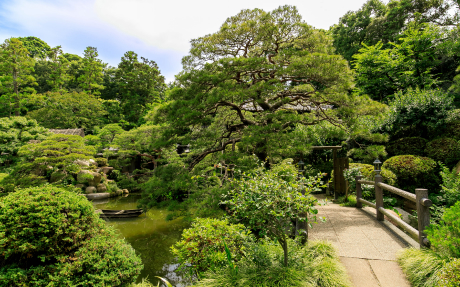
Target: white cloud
172, 24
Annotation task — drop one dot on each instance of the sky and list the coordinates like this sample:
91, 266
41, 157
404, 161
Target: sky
154, 29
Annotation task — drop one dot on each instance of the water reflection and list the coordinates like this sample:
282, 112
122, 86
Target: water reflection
150, 235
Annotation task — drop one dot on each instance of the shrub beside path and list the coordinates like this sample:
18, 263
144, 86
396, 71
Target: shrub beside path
366, 246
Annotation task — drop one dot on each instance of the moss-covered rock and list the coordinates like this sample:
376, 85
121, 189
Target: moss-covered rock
409, 145
414, 172
446, 150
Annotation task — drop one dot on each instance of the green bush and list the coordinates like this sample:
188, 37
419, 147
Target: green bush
445, 236
422, 267
410, 145
414, 172
450, 274
53, 237
446, 150
101, 161
368, 173
453, 130
202, 245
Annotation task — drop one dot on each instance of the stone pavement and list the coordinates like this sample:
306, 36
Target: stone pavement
367, 247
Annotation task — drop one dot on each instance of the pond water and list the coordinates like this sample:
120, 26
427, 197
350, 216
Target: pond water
150, 235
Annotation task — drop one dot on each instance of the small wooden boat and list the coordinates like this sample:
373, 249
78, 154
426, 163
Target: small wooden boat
109, 213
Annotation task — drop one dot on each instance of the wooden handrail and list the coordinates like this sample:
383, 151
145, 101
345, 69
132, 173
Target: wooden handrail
397, 191
367, 202
414, 232
366, 182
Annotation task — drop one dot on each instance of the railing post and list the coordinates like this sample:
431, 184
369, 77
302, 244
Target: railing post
423, 213
378, 197
359, 192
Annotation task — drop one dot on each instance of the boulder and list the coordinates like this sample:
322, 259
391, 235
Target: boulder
101, 187
96, 179
125, 191
92, 162
82, 163
57, 176
90, 189
107, 169
84, 176
119, 192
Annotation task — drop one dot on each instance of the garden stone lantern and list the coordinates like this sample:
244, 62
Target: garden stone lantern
377, 164
301, 165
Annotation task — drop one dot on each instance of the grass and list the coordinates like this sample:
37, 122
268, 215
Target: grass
315, 265
422, 267
350, 203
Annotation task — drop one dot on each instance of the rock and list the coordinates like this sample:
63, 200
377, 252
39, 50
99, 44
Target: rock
100, 154
83, 176
80, 186
92, 162
82, 163
96, 196
96, 179
119, 192
125, 191
107, 169
90, 189
57, 176
101, 188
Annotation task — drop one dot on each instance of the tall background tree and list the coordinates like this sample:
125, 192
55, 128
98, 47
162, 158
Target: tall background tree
91, 78
139, 84
15, 76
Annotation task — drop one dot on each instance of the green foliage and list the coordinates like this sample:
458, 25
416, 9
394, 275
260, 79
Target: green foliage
16, 132
59, 66
368, 154
316, 265
267, 201
108, 133
68, 110
418, 112
36, 47
444, 149
52, 237
422, 267
445, 236
140, 83
382, 72
91, 78
409, 145
450, 274
15, 77
367, 171
414, 172
57, 153
202, 246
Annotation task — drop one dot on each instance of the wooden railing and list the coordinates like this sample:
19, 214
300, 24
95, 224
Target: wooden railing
420, 198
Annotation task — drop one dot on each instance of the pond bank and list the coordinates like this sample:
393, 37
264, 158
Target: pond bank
150, 235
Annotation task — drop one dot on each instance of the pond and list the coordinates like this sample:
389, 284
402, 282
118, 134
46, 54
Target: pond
150, 235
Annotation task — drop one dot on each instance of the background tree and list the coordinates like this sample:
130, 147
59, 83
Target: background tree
36, 47
245, 83
15, 75
91, 78
68, 110
59, 67
139, 84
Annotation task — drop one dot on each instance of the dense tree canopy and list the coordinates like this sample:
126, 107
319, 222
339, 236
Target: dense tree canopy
253, 81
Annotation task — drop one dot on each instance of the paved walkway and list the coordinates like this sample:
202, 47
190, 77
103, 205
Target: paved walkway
367, 247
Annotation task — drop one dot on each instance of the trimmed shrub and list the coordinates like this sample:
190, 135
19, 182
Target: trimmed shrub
446, 150
445, 236
450, 274
414, 172
410, 145
53, 237
453, 130
202, 245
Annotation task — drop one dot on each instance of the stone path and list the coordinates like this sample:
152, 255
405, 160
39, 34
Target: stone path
367, 247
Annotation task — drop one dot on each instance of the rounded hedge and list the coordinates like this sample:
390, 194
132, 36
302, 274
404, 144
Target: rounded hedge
53, 237
450, 274
444, 149
409, 145
367, 170
414, 172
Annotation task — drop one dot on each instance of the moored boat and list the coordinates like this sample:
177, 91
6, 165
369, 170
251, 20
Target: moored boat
110, 213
